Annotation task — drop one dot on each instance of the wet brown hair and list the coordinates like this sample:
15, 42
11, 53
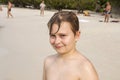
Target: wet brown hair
64, 16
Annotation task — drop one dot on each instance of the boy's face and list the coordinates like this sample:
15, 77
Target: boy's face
64, 40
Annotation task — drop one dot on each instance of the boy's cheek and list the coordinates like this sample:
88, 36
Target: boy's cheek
52, 41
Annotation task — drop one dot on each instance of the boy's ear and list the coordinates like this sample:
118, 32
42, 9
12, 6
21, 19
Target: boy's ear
77, 35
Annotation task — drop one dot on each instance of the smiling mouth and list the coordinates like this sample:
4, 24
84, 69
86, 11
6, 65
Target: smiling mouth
58, 47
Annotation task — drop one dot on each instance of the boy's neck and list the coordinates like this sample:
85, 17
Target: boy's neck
68, 54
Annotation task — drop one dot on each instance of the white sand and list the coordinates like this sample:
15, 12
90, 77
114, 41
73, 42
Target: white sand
24, 44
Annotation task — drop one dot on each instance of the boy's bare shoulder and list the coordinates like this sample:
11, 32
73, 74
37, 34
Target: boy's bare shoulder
85, 62
87, 68
50, 59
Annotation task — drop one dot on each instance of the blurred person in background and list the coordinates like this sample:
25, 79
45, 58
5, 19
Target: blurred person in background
107, 12
9, 10
42, 7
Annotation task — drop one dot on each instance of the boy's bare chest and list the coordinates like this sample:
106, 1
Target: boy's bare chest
63, 72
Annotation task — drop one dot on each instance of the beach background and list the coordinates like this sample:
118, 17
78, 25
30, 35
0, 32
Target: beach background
24, 43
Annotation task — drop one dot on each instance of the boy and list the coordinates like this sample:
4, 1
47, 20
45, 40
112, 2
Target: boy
68, 63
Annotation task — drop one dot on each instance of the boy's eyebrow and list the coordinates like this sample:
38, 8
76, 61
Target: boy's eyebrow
62, 33
58, 33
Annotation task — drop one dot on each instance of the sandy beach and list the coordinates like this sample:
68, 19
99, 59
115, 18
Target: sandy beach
24, 43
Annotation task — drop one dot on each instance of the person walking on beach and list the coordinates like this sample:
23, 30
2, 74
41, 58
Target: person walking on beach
42, 7
9, 9
68, 63
107, 12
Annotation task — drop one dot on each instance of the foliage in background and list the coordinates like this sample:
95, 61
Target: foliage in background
55, 4
115, 6
65, 4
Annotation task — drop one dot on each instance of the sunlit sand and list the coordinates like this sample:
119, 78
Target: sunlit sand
24, 43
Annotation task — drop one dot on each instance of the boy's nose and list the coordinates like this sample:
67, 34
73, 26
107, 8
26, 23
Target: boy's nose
57, 40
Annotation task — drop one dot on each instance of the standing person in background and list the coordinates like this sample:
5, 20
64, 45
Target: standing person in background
9, 9
107, 12
42, 7
68, 63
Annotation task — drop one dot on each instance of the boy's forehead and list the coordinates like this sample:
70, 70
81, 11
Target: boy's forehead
64, 27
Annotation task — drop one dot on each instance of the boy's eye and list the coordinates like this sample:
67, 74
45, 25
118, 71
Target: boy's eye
62, 36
